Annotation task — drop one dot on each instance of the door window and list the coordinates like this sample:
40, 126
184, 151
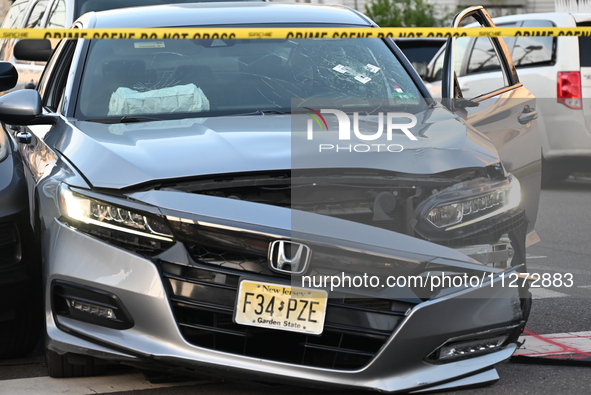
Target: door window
15, 15
37, 14
487, 69
436, 71
532, 50
52, 84
483, 57
57, 15
14, 18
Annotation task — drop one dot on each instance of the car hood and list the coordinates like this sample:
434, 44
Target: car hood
123, 155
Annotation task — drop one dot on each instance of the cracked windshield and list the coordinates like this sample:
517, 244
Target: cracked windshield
186, 78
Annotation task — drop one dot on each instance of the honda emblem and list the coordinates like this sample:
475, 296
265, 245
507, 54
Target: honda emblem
289, 257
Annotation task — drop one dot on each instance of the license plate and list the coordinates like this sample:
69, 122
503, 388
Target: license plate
280, 307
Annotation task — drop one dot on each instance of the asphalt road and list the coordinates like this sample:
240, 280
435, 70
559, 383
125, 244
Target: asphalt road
563, 225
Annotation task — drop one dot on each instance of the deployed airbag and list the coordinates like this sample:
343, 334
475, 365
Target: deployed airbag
181, 98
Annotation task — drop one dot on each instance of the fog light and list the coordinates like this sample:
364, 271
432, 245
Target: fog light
89, 304
468, 349
91, 308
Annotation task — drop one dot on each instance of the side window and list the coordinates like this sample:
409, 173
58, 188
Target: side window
488, 70
534, 50
584, 44
57, 15
436, 70
485, 64
483, 57
15, 15
13, 19
51, 86
37, 14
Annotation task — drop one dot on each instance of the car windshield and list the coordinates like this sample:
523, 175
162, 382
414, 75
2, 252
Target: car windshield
200, 78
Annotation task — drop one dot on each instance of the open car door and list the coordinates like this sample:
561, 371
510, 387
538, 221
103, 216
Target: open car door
502, 108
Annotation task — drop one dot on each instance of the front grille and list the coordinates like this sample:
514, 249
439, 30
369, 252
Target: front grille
9, 245
230, 260
232, 250
203, 300
246, 252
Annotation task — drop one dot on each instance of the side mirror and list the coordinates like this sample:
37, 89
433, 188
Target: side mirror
8, 76
33, 50
20, 107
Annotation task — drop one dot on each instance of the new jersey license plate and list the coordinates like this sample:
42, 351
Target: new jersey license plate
281, 307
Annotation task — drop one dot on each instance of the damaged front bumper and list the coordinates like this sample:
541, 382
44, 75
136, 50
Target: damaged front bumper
175, 309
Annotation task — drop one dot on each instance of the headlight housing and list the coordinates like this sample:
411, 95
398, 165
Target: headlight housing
460, 209
126, 227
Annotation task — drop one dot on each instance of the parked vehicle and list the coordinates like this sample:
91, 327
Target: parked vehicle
184, 190
55, 14
20, 269
557, 70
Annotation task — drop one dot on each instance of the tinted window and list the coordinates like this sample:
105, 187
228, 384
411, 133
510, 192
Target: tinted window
205, 77
420, 50
584, 48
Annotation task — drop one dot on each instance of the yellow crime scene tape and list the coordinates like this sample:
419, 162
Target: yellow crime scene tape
282, 33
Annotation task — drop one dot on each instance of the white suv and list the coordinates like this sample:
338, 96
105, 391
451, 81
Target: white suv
557, 70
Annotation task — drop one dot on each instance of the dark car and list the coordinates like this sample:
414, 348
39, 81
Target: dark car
197, 200
20, 270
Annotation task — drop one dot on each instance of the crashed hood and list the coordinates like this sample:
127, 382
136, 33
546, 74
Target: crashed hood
280, 222
123, 155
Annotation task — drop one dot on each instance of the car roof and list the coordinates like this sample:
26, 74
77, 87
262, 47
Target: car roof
561, 19
227, 13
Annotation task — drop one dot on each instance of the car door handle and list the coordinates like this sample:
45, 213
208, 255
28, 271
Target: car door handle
527, 115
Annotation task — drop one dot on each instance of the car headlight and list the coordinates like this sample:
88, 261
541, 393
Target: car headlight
3, 146
468, 203
123, 226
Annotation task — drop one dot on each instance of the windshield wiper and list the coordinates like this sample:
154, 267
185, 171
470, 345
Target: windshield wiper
125, 119
264, 112
128, 119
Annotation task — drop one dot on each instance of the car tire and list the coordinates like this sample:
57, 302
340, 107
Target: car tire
67, 365
19, 337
